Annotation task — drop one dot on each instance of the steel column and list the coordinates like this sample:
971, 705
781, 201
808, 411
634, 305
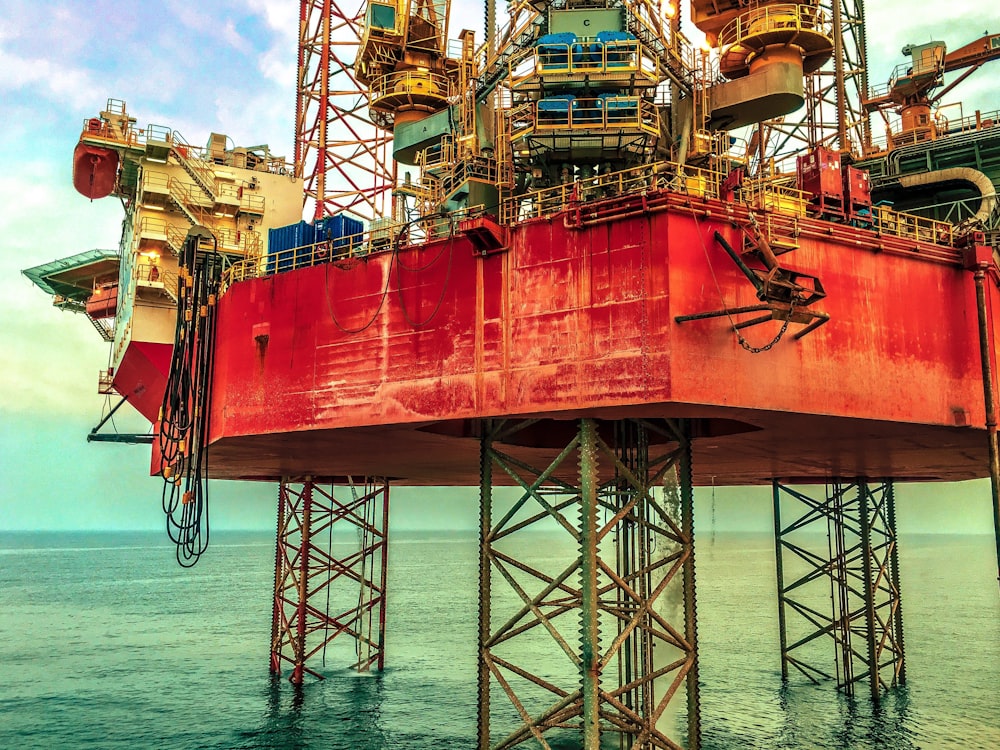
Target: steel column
589, 626
869, 598
783, 640
485, 528
603, 493
894, 578
853, 575
276, 609
321, 591
986, 355
302, 584
690, 600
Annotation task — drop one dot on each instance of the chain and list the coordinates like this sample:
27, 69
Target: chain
767, 347
743, 342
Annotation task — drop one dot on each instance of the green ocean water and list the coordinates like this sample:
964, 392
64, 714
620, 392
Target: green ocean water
106, 643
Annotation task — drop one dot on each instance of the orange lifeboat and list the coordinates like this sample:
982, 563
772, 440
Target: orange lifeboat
94, 170
103, 303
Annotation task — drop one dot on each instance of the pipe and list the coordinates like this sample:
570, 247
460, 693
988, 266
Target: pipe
989, 397
966, 174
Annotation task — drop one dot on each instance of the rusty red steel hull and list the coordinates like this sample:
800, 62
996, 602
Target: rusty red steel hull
382, 366
141, 376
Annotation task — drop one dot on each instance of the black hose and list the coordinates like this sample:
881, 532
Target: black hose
184, 416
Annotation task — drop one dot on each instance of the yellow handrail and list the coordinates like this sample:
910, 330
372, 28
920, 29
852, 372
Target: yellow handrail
635, 180
386, 236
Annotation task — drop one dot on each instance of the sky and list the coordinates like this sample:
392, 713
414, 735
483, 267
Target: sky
229, 67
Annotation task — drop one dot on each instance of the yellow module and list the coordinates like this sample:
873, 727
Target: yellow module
168, 187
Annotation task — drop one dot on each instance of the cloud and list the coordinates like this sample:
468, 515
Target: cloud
280, 15
51, 357
233, 38
34, 76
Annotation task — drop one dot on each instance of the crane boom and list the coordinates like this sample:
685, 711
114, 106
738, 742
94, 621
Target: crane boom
973, 54
915, 86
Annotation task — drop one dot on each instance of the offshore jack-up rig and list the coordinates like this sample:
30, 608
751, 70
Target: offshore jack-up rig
589, 260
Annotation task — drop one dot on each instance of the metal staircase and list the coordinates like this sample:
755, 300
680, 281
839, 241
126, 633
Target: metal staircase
496, 67
107, 330
197, 168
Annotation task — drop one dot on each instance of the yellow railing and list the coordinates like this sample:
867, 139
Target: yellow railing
586, 57
783, 16
176, 237
153, 182
193, 159
182, 193
239, 241
773, 196
522, 20
247, 243
777, 195
409, 86
191, 200
910, 227
151, 225
145, 273
95, 128
702, 183
613, 113
229, 193
439, 155
251, 203
384, 236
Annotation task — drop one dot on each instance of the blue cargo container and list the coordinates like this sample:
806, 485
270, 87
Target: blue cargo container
588, 111
618, 46
553, 49
554, 110
340, 231
586, 54
620, 109
281, 242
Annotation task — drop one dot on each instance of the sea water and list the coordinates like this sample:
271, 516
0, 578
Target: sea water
106, 643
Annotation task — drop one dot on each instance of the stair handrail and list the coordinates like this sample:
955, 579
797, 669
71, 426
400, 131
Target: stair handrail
191, 159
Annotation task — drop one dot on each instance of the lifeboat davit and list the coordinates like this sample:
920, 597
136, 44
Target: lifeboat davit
95, 170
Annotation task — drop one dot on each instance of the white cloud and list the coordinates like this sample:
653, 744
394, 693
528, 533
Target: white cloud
233, 38
72, 86
278, 64
281, 15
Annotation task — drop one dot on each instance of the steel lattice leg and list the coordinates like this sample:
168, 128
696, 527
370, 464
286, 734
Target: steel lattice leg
609, 623
321, 592
844, 585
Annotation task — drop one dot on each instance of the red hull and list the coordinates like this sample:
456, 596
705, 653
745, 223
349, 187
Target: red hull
315, 375
95, 170
141, 376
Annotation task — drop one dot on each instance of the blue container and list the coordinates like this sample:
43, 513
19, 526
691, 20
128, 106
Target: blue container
553, 49
620, 109
554, 110
586, 54
588, 111
281, 243
614, 36
618, 46
340, 231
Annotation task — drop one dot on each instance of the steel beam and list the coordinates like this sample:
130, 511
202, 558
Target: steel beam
842, 584
608, 617
323, 590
